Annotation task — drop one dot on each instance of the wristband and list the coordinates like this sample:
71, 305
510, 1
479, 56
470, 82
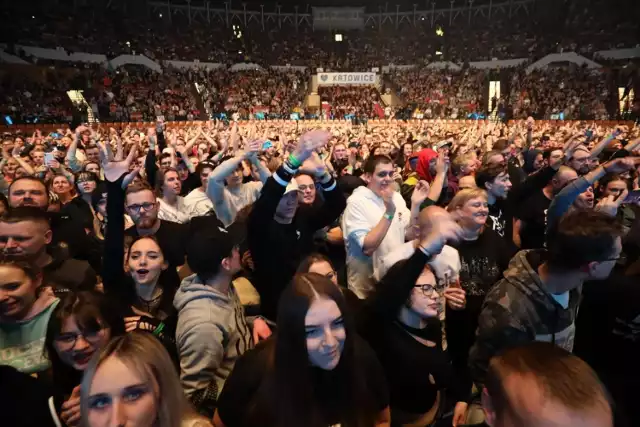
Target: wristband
291, 166
388, 216
157, 331
294, 162
424, 251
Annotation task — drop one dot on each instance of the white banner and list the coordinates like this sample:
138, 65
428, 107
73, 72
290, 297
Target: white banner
338, 79
338, 18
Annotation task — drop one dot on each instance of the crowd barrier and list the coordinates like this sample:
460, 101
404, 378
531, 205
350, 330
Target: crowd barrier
28, 129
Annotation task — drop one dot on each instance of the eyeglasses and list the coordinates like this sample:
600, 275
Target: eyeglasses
427, 290
68, 340
146, 206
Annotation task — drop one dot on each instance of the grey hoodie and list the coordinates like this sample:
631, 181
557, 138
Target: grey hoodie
518, 310
211, 334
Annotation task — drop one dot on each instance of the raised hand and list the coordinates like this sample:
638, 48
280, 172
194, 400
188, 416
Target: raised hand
113, 170
309, 142
314, 166
420, 193
622, 164
442, 164
443, 229
610, 204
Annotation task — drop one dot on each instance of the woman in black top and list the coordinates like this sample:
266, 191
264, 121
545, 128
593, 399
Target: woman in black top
314, 372
71, 205
145, 289
401, 322
484, 255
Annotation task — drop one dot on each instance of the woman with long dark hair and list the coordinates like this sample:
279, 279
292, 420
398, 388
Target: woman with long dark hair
401, 321
144, 289
314, 372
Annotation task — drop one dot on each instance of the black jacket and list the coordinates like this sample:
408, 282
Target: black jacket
277, 249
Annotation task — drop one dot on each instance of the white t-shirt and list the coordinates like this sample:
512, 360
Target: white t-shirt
198, 203
233, 200
364, 210
180, 213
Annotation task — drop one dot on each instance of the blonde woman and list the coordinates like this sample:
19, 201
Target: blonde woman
133, 382
484, 255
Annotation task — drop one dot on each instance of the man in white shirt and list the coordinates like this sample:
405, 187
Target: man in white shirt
197, 200
376, 221
230, 199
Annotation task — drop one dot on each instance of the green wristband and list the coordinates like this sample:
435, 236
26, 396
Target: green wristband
294, 162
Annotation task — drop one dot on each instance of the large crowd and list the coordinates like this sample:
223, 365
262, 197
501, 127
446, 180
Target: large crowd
178, 251
405, 273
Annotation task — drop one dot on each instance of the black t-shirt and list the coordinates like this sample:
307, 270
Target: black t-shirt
246, 378
533, 216
497, 220
483, 262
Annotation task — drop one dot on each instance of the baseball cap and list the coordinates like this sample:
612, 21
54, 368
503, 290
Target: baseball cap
208, 247
292, 186
443, 143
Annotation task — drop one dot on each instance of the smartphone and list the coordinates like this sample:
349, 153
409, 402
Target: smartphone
160, 118
48, 157
632, 197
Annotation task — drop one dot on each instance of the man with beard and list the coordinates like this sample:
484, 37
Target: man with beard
142, 206
25, 234
579, 161
32, 192
340, 158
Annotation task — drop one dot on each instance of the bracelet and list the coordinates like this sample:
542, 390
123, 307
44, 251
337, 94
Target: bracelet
157, 331
294, 162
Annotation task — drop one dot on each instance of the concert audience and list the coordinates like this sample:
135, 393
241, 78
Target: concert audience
252, 270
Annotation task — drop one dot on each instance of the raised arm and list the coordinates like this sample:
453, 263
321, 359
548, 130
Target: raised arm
114, 172
150, 166
265, 207
74, 165
600, 146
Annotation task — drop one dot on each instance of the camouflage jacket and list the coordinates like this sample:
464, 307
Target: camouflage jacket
518, 310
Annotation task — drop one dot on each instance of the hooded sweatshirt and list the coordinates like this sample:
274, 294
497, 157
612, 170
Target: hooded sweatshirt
212, 333
519, 310
22, 342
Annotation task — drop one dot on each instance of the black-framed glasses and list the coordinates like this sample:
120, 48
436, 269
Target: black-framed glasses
67, 341
427, 290
137, 208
